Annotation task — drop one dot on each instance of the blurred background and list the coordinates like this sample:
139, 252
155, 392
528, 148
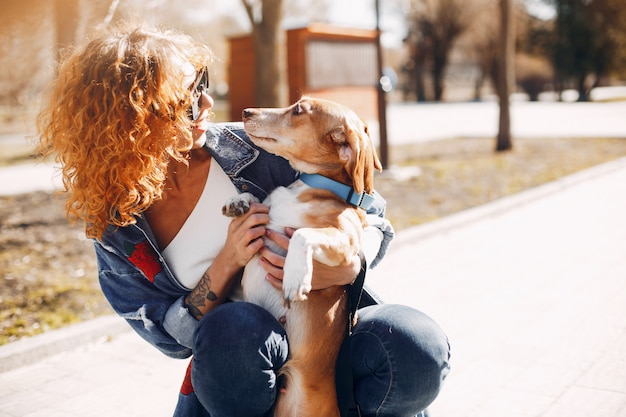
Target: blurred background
432, 50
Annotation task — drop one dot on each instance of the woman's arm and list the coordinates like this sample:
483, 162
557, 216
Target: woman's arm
141, 289
133, 287
244, 240
379, 233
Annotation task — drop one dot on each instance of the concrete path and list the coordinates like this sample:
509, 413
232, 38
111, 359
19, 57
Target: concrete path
430, 121
27, 178
532, 293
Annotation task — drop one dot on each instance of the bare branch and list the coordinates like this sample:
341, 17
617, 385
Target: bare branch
111, 12
247, 4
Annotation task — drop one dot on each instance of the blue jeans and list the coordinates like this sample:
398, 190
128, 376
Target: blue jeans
399, 359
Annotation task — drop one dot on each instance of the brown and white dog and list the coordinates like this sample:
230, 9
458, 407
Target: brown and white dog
316, 137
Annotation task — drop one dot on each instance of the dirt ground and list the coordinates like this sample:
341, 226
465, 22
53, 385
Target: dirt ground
48, 269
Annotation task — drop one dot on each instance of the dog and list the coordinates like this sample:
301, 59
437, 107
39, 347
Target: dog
325, 141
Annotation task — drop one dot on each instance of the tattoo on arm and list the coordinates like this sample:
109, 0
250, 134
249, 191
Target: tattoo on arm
197, 298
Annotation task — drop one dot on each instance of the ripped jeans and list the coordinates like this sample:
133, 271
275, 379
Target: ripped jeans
399, 358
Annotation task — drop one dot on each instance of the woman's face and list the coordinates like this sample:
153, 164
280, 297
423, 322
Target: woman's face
204, 105
201, 122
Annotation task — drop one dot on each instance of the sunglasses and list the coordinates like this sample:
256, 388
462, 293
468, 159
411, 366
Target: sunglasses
199, 86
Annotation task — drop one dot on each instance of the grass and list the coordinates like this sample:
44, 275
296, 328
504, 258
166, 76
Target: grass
48, 268
461, 173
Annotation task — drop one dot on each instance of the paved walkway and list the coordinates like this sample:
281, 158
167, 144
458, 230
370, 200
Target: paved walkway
532, 293
530, 290
431, 121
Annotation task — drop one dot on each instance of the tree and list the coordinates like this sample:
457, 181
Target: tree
434, 26
533, 66
482, 41
73, 19
482, 44
506, 74
26, 55
589, 41
66, 19
265, 17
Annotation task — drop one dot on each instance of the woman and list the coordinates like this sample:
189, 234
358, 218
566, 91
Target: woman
127, 119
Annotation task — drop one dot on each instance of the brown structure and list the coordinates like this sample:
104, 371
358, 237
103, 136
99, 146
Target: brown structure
323, 61
335, 63
241, 75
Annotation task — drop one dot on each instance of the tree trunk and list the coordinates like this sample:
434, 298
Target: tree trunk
438, 83
420, 85
65, 23
267, 47
439, 68
506, 75
583, 92
478, 86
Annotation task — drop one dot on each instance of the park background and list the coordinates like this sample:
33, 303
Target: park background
569, 57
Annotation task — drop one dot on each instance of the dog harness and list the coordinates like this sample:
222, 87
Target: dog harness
362, 200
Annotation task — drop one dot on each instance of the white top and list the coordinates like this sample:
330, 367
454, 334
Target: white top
203, 235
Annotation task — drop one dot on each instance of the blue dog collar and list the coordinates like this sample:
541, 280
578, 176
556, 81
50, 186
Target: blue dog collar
347, 193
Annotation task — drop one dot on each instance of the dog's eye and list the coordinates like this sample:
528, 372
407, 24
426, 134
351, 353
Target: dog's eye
297, 109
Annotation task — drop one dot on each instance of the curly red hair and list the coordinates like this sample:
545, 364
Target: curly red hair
114, 117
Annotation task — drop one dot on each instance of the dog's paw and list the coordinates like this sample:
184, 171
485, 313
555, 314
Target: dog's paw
296, 283
238, 205
295, 294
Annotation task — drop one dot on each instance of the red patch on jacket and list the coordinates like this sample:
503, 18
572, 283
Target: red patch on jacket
187, 387
143, 257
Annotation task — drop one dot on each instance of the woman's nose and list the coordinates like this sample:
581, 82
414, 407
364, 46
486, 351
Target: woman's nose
206, 101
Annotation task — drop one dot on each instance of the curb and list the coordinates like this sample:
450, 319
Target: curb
33, 349
29, 350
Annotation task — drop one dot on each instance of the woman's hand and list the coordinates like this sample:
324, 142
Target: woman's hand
243, 241
245, 234
324, 276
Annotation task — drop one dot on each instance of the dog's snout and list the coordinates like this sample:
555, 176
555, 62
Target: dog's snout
247, 113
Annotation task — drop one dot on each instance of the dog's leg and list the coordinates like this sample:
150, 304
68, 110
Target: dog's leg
315, 329
325, 245
238, 205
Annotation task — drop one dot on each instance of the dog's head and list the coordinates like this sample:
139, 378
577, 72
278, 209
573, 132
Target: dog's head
317, 137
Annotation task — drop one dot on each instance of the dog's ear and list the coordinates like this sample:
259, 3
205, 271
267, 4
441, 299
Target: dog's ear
377, 164
358, 153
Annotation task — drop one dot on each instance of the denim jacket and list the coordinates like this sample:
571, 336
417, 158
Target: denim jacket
137, 281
